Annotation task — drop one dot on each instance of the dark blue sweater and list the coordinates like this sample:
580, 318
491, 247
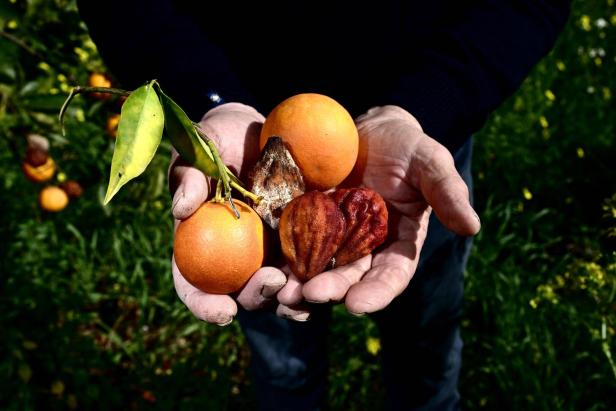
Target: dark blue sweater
448, 62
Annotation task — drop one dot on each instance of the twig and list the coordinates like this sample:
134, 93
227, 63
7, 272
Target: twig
19, 42
80, 89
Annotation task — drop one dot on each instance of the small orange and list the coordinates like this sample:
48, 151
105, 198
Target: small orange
215, 251
321, 135
99, 80
112, 124
41, 173
53, 199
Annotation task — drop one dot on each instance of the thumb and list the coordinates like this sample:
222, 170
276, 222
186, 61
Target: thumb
444, 189
189, 188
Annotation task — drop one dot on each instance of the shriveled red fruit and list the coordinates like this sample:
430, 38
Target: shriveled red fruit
311, 229
365, 213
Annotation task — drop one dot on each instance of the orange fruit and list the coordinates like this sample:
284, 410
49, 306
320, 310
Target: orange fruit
216, 252
112, 124
99, 80
53, 199
41, 173
320, 134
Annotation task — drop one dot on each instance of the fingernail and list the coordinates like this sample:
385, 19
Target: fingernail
226, 323
303, 317
357, 314
477, 217
300, 317
179, 194
316, 302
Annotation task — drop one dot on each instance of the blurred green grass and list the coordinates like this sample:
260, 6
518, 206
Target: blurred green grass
90, 318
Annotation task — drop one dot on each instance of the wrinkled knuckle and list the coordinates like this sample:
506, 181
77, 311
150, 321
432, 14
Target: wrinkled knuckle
441, 155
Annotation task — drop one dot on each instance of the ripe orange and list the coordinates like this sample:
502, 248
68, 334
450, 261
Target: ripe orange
112, 124
53, 199
99, 80
320, 134
216, 252
41, 173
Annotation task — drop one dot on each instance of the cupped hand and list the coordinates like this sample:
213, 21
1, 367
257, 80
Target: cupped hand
235, 130
415, 175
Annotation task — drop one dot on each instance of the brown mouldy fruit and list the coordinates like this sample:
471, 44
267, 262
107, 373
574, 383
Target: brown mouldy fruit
36, 156
276, 179
72, 188
366, 216
312, 227
38, 141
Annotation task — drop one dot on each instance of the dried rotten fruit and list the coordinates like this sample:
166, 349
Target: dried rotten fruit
277, 179
72, 188
312, 228
365, 214
36, 156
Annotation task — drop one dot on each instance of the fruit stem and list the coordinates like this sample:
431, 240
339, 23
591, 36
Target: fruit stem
81, 89
253, 197
218, 196
227, 179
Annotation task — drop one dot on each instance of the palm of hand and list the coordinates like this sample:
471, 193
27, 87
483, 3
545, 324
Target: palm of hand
412, 172
409, 169
239, 149
387, 154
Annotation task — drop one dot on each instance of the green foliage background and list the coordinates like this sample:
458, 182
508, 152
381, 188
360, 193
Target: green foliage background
90, 319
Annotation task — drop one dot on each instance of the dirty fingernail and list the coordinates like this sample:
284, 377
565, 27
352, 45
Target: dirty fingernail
225, 323
477, 217
177, 197
317, 302
303, 317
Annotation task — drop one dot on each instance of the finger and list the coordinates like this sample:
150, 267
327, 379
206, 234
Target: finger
189, 186
333, 285
444, 189
392, 269
296, 313
390, 275
389, 112
235, 128
261, 288
291, 293
211, 308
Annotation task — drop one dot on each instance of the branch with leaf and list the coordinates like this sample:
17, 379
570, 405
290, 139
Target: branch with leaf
145, 114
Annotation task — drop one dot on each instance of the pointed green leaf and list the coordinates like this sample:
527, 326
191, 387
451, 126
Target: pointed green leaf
185, 138
139, 134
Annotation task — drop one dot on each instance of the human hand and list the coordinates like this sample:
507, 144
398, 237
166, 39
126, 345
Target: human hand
234, 128
414, 174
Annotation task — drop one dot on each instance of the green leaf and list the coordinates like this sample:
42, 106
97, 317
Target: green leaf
139, 134
185, 138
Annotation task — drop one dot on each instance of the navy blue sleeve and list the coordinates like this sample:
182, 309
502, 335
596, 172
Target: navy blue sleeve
140, 40
465, 69
465, 58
